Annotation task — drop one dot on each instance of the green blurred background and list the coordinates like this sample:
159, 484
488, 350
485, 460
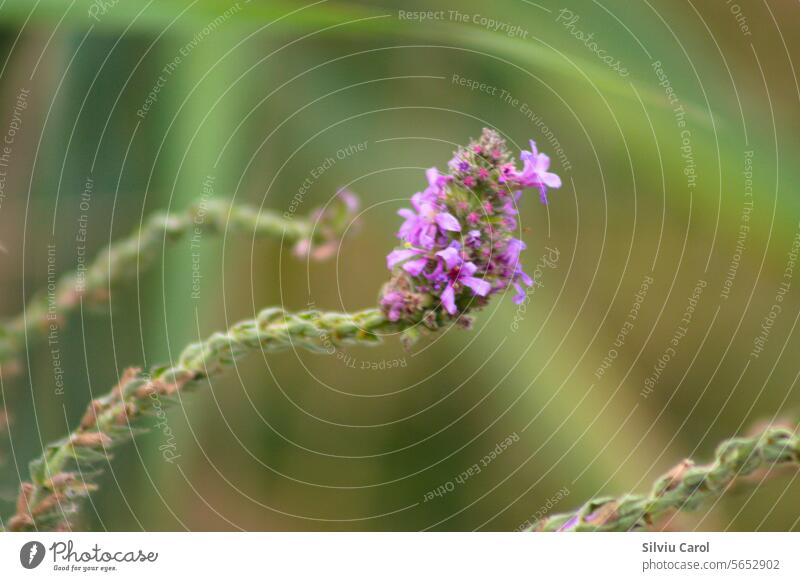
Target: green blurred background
263, 96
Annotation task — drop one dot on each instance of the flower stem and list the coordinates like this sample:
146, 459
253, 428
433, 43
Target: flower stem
121, 262
50, 499
686, 487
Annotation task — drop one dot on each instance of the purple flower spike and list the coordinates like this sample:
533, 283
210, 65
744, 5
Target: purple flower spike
458, 238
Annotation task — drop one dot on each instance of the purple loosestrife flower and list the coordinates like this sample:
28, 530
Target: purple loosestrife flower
534, 172
458, 247
458, 273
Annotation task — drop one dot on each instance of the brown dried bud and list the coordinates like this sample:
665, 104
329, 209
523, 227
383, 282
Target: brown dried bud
89, 419
128, 375
603, 514
47, 503
91, 440
125, 413
60, 480
23, 499
19, 522
675, 476
146, 391
166, 389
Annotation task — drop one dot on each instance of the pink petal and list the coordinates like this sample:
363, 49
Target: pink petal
519, 298
407, 213
468, 269
433, 175
479, 286
450, 256
414, 267
448, 300
551, 180
396, 256
447, 221
350, 200
542, 163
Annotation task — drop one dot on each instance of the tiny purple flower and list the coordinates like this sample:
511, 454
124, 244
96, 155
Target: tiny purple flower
535, 174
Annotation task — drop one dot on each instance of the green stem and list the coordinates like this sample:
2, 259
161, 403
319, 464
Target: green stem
51, 498
121, 262
685, 487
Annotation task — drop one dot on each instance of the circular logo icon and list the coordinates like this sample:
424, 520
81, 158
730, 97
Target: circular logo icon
31, 554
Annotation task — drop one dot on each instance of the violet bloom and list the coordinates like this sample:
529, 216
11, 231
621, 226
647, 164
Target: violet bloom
437, 182
511, 259
350, 201
422, 227
458, 237
394, 302
534, 172
412, 267
459, 273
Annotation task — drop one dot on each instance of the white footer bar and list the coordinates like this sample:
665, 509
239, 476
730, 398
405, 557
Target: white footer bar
401, 556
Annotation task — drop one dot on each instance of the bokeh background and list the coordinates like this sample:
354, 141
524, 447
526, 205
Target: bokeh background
679, 167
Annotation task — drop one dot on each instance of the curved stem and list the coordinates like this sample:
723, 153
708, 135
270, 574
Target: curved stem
51, 498
120, 262
685, 487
